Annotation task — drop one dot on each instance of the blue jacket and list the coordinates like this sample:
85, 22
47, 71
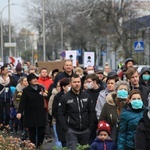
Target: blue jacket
99, 145
128, 122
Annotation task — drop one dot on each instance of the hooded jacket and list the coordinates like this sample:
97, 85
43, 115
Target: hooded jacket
109, 111
142, 140
76, 111
128, 122
145, 69
101, 101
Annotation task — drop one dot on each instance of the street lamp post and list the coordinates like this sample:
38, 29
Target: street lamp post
2, 53
61, 26
44, 49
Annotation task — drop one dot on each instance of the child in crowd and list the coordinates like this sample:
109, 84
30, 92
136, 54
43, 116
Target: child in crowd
103, 141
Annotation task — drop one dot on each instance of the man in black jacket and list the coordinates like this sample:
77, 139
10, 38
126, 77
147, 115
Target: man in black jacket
75, 114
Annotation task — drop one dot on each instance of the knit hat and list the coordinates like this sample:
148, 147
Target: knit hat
31, 76
103, 126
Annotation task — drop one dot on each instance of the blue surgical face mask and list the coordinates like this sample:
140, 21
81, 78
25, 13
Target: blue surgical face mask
122, 94
146, 77
136, 104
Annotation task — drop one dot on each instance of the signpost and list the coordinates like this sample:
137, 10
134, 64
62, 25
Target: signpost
139, 46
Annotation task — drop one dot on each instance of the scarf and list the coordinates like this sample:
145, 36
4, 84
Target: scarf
4, 82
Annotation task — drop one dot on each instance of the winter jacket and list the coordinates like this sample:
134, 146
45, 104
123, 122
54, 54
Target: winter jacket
46, 82
17, 95
32, 105
109, 112
60, 76
100, 102
16, 77
128, 122
59, 130
50, 103
76, 111
100, 145
142, 138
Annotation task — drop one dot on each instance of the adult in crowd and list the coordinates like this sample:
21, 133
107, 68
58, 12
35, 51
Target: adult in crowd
145, 77
133, 78
75, 114
16, 76
129, 119
32, 106
129, 62
142, 138
46, 81
92, 83
22, 83
5, 97
88, 70
53, 74
110, 87
67, 73
107, 69
65, 87
115, 102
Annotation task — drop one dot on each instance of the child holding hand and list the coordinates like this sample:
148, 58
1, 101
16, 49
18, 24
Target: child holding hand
103, 141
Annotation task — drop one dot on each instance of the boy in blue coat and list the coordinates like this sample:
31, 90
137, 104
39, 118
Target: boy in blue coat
103, 141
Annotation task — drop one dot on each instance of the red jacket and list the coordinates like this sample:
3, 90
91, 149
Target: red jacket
47, 81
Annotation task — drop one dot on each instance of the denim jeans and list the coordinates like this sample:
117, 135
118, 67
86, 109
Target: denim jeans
57, 143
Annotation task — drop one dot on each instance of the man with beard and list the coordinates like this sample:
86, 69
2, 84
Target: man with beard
75, 114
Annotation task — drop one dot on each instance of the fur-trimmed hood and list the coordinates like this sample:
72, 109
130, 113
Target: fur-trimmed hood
109, 99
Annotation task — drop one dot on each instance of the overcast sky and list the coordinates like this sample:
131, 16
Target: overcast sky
16, 11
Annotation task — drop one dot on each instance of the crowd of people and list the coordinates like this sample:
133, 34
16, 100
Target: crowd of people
105, 109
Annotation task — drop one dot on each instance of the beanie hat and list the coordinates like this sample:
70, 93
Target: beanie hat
129, 59
31, 76
103, 126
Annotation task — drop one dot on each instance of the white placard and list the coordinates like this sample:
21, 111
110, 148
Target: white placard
72, 55
88, 59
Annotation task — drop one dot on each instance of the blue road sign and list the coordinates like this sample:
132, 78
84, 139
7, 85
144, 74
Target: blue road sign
139, 46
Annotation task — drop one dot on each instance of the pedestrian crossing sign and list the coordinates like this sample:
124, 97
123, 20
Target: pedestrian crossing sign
139, 46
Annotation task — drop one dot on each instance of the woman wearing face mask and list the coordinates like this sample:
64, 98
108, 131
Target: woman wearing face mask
145, 77
130, 116
142, 138
115, 102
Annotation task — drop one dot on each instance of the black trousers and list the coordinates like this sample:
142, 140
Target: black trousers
36, 135
4, 113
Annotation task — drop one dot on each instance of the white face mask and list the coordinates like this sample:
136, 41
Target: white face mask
89, 85
90, 72
69, 88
